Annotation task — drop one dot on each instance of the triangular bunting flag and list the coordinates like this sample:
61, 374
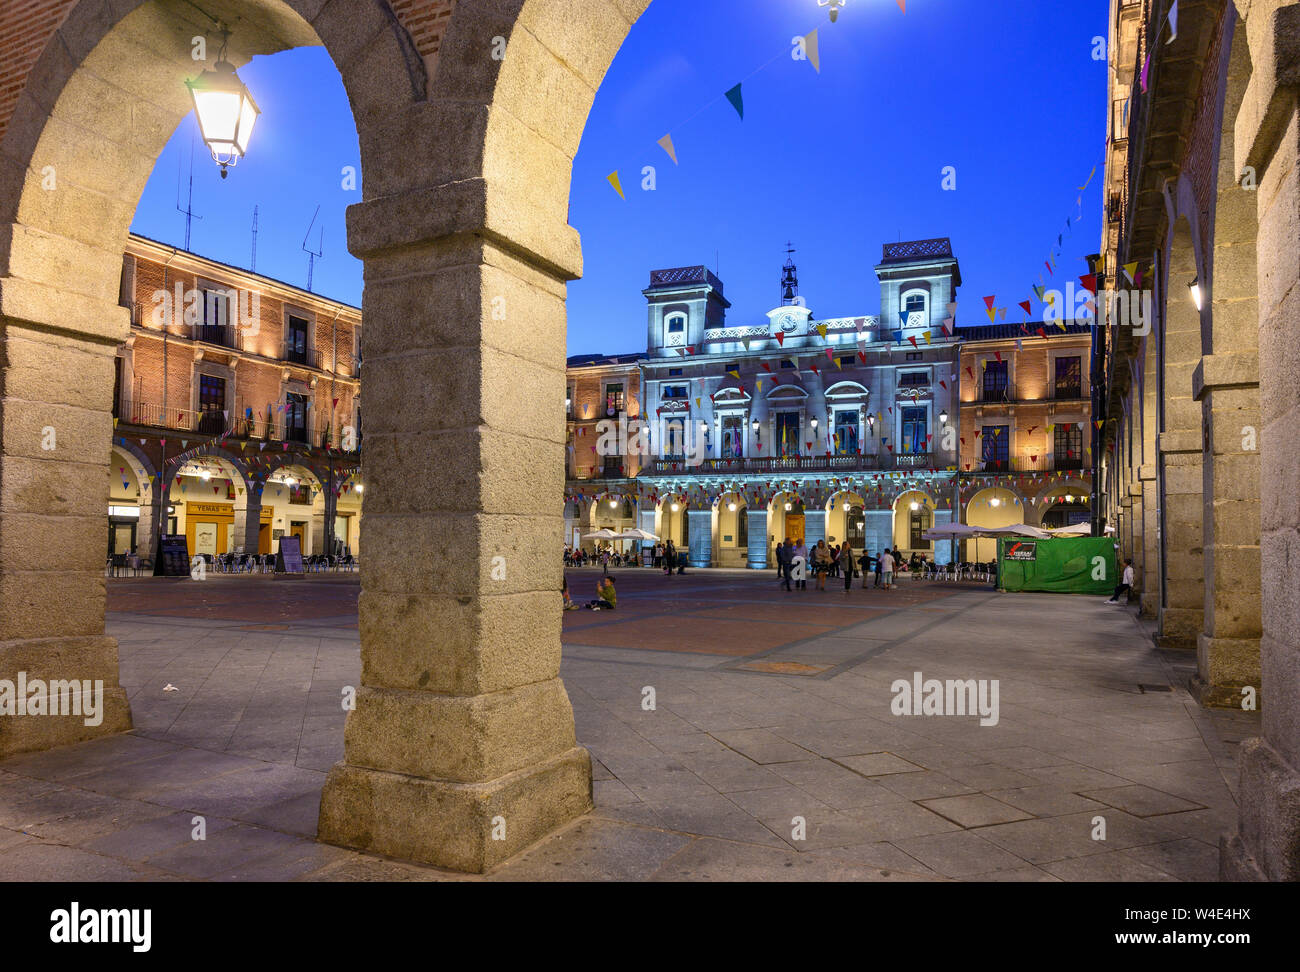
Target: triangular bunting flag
614, 181
666, 143
810, 48
737, 101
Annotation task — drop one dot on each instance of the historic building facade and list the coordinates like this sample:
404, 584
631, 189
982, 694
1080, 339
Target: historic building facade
1026, 427
1198, 474
868, 429
837, 428
236, 409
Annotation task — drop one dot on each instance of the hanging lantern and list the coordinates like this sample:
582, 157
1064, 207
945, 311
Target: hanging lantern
225, 110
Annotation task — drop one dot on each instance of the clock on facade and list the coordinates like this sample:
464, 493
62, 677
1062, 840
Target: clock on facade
787, 323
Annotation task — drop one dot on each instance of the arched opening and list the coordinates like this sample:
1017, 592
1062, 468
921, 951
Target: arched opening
787, 517
846, 518
995, 506
201, 498
913, 515
1062, 504
731, 534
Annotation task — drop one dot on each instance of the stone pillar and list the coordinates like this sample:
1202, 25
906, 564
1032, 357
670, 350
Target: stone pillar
331, 513
1149, 579
699, 534
148, 525
248, 521
1182, 608
1227, 650
1267, 844
56, 429
461, 749
760, 547
814, 528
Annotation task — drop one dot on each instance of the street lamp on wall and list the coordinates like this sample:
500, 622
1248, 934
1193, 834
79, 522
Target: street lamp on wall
226, 112
834, 5
1195, 288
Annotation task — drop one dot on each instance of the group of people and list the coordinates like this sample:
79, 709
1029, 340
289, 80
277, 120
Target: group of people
605, 555
825, 560
667, 556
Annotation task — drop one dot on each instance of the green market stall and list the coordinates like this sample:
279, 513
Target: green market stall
1060, 565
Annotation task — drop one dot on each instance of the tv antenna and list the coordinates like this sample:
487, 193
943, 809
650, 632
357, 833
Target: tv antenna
313, 254
188, 211
253, 265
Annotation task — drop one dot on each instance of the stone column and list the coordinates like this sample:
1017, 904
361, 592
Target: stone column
461, 749
1267, 844
148, 525
56, 428
760, 547
1227, 650
814, 525
248, 521
1182, 608
699, 535
1149, 579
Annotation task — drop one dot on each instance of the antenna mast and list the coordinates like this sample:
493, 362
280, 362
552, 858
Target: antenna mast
313, 254
253, 266
188, 211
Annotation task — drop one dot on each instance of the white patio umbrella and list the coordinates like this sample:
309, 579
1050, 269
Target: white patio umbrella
637, 534
1078, 530
605, 534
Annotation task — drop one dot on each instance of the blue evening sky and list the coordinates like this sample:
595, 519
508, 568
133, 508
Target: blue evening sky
838, 162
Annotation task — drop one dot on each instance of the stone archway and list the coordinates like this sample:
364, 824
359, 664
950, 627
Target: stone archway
461, 750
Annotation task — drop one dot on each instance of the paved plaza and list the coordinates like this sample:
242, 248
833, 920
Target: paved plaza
770, 752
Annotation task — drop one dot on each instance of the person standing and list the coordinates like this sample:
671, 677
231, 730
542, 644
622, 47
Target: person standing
880, 564
846, 565
821, 563
865, 562
776, 555
801, 555
784, 556
887, 568
1126, 583
670, 553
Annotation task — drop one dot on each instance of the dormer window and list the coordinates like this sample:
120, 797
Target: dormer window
915, 302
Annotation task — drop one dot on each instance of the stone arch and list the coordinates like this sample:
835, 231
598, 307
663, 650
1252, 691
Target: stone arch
479, 217
1046, 498
992, 506
902, 516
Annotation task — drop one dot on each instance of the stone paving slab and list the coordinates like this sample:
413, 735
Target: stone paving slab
755, 774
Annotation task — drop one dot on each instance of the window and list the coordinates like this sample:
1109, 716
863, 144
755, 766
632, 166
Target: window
846, 432
742, 527
300, 493
675, 331
674, 391
295, 340
847, 360
995, 381
914, 379
1069, 377
915, 356
674, 439
787, 434
787, 364
855, 525
295, 418
216, 318
914, 431
614, 402
568, 403
732, 366
212, 404
1068, 446
674, 372
918, 522
997, 447
915, 304
733, 437
117, 387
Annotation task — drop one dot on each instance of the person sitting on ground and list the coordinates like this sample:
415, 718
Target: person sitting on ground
1126, 583
606, 596
568, 601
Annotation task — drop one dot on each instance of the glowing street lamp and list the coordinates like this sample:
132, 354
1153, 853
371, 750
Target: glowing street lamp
225, 110
1195, 288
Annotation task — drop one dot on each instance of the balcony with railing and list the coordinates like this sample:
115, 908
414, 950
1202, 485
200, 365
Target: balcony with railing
1026, 464
237, 423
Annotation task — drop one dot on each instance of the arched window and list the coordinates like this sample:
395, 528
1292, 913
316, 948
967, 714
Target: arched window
856, 528
675, 330
914, 302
